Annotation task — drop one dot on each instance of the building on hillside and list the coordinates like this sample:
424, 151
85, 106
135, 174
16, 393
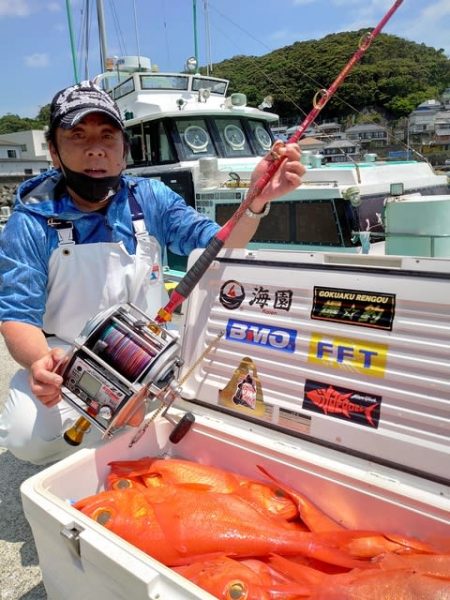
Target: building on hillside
368, 134
329, 131
445, 99
428, 127
312, 144
421, 122
341, 151
24, 153
311, 131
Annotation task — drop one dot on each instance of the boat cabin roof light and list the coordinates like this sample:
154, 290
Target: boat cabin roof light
236, 99
203, 94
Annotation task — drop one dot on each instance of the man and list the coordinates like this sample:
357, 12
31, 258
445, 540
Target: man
83, 238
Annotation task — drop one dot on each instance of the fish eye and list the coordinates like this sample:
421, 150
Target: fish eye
122, 484
102, 515
237, 590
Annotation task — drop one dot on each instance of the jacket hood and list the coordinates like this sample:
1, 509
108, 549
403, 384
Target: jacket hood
36, 195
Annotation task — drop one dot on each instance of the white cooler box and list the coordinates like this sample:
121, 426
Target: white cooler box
332, 371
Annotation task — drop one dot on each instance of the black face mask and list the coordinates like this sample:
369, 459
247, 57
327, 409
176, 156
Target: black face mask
91, 189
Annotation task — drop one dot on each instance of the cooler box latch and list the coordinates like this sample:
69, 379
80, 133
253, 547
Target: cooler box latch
71, 533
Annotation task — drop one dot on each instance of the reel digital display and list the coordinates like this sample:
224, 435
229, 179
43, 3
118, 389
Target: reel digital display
121, 362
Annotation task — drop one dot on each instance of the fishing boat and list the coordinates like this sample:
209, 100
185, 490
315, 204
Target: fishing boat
186, 130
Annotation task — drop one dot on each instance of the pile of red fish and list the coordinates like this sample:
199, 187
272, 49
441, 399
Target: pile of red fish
243, 539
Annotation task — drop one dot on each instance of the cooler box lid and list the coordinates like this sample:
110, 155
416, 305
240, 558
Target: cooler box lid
348, 351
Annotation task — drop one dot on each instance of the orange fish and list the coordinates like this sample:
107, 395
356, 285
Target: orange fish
152, 472
229, 579
427, 564
398, 584
313, 517
175, 522
401, 578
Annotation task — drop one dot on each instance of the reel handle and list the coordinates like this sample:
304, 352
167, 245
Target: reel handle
75, 434
181, 428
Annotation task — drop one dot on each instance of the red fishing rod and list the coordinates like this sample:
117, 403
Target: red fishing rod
193, 276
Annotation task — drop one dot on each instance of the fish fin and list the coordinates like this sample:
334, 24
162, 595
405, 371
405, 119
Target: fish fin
132, 468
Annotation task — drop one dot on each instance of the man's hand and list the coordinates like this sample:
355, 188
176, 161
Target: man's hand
45, 383
286, 179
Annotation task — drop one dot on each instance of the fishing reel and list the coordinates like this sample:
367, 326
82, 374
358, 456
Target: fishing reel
120, 367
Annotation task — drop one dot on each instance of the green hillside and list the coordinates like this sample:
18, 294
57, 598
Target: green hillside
393, 77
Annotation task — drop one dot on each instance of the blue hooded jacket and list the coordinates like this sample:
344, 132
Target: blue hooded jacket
27, 241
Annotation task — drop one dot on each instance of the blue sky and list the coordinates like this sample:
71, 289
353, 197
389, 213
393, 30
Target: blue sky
36, 60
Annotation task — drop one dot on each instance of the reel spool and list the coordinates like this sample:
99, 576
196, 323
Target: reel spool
120, 363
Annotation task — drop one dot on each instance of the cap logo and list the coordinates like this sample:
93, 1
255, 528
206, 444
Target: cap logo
80, 97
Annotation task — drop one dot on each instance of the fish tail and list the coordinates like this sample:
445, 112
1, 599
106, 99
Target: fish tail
368, 413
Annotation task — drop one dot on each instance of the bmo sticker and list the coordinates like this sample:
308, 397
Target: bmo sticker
275, 338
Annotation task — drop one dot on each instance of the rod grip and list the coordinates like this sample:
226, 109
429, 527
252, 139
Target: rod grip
199, 268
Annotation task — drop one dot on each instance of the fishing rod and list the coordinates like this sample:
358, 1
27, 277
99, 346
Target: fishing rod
193, 276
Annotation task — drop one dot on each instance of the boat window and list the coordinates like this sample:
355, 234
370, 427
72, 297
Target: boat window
166, 153
136, 150
233, 137
215, 86
261, 137
195, 138
164, 82
124, 88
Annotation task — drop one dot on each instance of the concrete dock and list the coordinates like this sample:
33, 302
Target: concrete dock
20, 575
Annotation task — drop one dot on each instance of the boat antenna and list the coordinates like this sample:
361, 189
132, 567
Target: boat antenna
136, 33
102, 35
193, 276
72, 41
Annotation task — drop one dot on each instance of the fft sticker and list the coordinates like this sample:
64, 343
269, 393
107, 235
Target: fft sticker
367, 358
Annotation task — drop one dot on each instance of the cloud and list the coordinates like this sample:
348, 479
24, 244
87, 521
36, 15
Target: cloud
53, 7
37, 60
25, 8
431, 26
15, 8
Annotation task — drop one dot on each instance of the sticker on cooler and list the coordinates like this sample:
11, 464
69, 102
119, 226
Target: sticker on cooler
266, 336
342, 403
352, 307
367, 358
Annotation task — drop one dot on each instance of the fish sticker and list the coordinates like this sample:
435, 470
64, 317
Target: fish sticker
342, 403
243, 392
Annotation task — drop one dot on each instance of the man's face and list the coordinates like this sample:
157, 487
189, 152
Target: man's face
95, 147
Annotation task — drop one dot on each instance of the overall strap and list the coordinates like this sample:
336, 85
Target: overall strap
64, 229
137, 216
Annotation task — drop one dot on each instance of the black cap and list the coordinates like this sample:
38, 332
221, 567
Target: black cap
70, 105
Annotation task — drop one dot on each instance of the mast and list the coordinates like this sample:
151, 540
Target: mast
208, 38
137, 35
72, 43
194, 9
102, 35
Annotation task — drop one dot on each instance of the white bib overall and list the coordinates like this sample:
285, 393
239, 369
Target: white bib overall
83, 280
